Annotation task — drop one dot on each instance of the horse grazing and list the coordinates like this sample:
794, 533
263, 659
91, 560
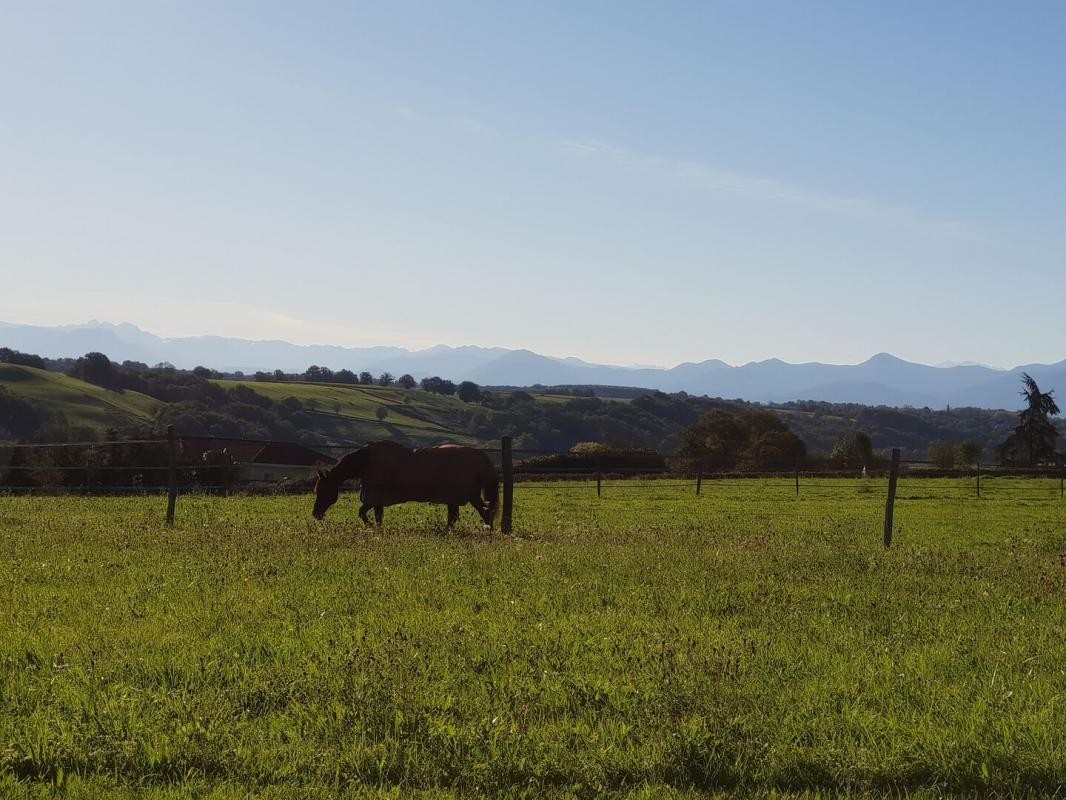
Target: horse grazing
390, 473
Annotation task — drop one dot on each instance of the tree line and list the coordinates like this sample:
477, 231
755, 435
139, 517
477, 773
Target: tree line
730, 433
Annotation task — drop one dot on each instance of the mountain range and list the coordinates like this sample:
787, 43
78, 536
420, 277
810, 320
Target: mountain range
880, 380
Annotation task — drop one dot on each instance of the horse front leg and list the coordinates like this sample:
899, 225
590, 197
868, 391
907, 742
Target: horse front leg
453, 516
363, 509
379, 514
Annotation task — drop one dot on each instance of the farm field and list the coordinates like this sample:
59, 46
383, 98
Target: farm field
647, 643
349, 411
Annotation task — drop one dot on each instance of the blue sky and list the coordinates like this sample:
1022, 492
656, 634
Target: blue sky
622, 182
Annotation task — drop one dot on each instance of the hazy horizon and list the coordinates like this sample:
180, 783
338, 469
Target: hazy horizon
560, 356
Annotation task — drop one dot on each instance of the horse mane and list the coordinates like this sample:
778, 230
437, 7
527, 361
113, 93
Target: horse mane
353, 464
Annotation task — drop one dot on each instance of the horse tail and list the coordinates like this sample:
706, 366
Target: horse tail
490, 487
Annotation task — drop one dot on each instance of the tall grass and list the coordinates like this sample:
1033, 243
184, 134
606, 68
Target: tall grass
648, 642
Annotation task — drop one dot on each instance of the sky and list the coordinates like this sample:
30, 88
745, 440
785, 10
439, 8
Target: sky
628, 183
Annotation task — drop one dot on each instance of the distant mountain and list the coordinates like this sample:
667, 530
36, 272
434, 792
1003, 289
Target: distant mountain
881, 380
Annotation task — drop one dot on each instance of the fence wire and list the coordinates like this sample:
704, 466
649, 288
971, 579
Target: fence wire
978, 499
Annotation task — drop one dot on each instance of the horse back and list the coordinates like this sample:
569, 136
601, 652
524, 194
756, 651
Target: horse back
450, 474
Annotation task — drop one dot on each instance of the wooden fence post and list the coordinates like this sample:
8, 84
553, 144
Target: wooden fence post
797, 480
507, 467
699, 476
89, 469
1062, 480
172, 474
978, 478
891, 502
599, 478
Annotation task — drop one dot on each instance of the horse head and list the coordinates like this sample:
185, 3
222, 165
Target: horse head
327, 487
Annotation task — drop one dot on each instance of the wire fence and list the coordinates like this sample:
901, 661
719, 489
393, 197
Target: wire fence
222, 465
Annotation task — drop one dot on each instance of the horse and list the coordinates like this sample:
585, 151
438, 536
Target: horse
390, 473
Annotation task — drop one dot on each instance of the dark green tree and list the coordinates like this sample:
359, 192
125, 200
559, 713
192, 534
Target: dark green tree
853, 449
1033, 441
968, 453
468, 392
95, 368
942, 454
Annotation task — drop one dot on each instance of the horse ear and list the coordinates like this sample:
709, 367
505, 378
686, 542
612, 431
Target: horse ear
321, 474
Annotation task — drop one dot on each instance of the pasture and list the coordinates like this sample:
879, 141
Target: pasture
81, 403
647, 643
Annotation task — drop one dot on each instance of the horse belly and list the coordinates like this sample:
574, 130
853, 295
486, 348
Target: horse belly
393, 495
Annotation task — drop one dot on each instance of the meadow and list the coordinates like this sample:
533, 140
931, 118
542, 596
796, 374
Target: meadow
648, 643
81, 403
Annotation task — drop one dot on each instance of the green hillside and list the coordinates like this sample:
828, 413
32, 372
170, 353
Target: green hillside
83, 404
346, 412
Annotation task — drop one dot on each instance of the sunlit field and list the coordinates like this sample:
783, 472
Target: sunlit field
648, 643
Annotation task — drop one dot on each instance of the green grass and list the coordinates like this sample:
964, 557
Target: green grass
84, 404
648, 643
350, 411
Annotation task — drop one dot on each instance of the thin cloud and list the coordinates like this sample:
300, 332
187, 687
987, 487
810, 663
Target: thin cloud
705, 177
708, 178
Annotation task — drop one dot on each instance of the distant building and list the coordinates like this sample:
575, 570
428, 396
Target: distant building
227, 462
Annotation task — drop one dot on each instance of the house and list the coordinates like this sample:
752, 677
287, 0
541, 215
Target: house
225, 462
281, 461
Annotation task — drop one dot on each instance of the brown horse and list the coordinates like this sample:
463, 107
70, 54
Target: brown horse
390, 473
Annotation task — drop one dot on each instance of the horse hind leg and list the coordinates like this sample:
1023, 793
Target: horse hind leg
482, 509
379, 514
453, 515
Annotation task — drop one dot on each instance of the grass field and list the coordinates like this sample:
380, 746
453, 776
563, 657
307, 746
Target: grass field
648, 643
347, 411
83, 404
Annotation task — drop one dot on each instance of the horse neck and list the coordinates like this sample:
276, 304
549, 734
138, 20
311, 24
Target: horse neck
351, 466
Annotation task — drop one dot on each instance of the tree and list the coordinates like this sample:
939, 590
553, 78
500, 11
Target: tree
345, 376
320, 374
942, 454
381, 413
1033, 441
406, 381
775, 450
19, 417
385, 379
279, 375
753, 440
968, 453
365, 378
853, 449
9, 356
438, 385
469, 392
95, 368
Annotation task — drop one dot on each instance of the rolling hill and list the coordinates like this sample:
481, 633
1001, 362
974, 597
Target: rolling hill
83, 404
348, 415
345, 413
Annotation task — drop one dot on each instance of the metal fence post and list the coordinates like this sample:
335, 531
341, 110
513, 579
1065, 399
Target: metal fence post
599, 478
797, 480
699, 476
172, 474
507, 467
891, 502
978, 478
